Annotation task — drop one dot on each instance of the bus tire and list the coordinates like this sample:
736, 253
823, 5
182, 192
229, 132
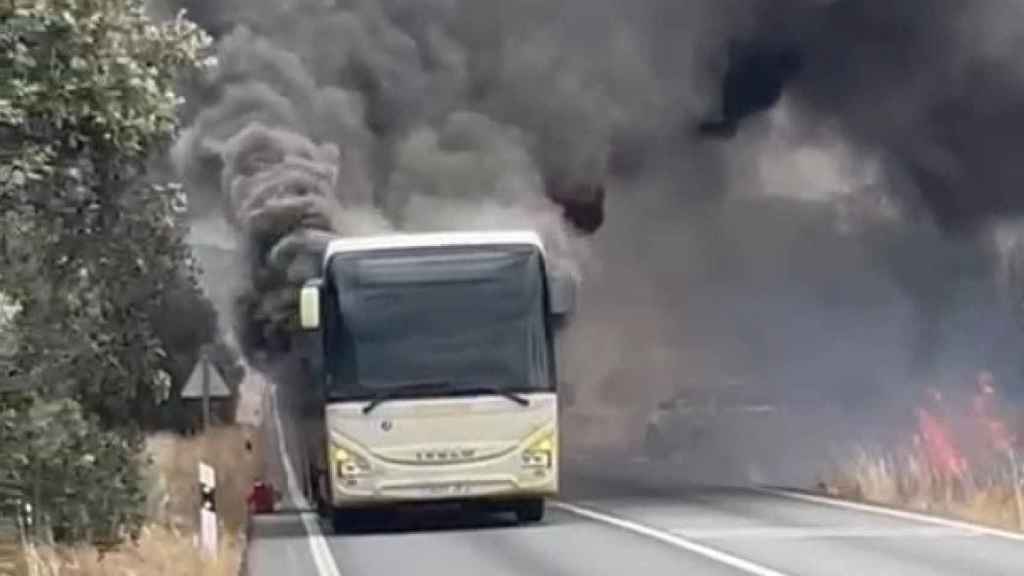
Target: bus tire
317, 488
530, 511
344, 520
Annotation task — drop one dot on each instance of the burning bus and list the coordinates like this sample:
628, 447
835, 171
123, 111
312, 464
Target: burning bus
432, 373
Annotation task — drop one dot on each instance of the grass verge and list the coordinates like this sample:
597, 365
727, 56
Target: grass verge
985, 497
160, 551
167, 545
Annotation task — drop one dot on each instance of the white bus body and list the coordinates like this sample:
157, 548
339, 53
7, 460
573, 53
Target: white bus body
435, 373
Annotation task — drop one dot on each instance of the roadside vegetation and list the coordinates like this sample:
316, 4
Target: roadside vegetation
101, 316
165, 544
880, 477
963, 461
158, 551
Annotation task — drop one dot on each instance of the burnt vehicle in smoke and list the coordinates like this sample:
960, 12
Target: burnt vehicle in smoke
432, 374
725, 427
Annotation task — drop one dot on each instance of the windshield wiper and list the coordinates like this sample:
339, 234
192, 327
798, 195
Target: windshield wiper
521, 400
443, 387
408, 391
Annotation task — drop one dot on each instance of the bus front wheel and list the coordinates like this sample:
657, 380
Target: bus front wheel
347, 520
318, 486
530, 511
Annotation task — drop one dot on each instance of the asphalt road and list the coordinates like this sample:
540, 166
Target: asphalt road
634, 520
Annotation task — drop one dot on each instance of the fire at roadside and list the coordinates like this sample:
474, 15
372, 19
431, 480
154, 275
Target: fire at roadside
963, 458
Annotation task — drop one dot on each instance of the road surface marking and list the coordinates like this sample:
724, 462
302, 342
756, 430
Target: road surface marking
670, 538
902, 514
322, 558
812, 533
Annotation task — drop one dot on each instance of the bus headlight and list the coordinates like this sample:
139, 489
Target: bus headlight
541, 453
349, 465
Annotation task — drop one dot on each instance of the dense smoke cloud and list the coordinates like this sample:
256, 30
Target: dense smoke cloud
576, 116
440, 114
934, 87
932, 93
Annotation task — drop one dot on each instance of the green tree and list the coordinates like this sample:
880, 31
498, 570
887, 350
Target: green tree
86, 101
89, 243
88, 480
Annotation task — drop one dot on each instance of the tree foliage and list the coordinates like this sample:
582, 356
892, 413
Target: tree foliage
86, 100
90, 247
88, 480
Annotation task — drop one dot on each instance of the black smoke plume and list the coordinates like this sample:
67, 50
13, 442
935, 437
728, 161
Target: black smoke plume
934, 87
753, 82
323, 120
579, 116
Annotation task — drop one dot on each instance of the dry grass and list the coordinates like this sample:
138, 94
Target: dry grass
12, 561
902, 481
175, 496
161, 551
899, 474
166, 547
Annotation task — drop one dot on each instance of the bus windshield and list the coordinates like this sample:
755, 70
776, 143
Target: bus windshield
470, 318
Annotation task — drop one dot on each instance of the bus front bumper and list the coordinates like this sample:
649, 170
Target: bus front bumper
428, 483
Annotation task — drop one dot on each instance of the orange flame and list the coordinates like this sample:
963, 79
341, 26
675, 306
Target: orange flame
936, 439
939, 448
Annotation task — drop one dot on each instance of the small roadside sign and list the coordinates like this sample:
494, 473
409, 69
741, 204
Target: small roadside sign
205, 369
205, 383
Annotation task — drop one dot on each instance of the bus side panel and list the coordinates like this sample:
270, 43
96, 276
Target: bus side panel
301, 410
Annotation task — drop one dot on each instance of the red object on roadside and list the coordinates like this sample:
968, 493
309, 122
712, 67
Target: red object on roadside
261, 498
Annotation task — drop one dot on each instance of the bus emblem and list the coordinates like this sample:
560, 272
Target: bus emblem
385, 425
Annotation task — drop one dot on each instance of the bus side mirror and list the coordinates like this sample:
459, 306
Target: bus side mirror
309, 305
562, 294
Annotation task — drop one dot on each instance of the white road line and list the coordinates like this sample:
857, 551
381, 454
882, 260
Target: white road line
902, 514
814, 533
670, 538
322, 557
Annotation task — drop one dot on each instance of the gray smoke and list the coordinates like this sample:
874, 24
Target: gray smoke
931, 92
296, 138
934, 87
346, 117
445, 113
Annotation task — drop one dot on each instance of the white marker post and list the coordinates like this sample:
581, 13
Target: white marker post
207, 510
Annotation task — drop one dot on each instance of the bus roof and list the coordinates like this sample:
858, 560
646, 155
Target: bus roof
432, 239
